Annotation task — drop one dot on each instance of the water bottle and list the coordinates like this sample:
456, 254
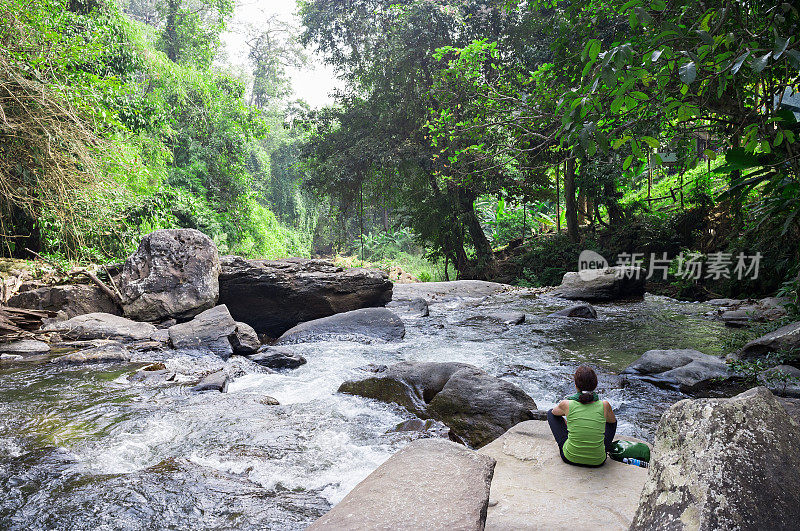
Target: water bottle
635, 462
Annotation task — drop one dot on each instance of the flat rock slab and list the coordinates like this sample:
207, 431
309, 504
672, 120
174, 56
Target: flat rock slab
103, 326
429, 484
26, 347
534, 489
448, 291
365, 325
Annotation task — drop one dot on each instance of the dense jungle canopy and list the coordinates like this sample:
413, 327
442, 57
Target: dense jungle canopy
487, 139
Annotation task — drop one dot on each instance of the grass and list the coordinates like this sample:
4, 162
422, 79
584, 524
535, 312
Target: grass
419, 267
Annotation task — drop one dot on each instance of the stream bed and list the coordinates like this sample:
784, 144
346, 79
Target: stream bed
83, 448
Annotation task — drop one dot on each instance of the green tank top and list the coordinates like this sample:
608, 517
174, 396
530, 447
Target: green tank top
586, 424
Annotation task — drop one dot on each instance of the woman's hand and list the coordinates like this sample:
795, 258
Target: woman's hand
561, 409
608, 412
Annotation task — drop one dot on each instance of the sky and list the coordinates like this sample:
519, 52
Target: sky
313, 83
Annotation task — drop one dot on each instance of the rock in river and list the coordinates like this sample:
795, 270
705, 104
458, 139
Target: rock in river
784, 338
244, 340
210, 329
723, 463
25, 347
277, 358
476, 406
417, 307
504, 318
429, 484
103, 326
364, 325
272, 296
217, 381
686, 369
110, 352
173, 273
582, 310
608, 284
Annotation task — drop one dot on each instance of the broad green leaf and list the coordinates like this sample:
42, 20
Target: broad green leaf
627, 163
712, 155
688, 72
594, 49
778, 139
705, 37
780, 46
658, 5
650, 141
761, 63
739, 62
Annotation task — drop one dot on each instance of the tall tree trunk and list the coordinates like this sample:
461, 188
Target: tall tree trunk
614, 212
483, 248
171, 31
570, 205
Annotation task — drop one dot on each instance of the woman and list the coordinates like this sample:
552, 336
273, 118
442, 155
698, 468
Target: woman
588, 432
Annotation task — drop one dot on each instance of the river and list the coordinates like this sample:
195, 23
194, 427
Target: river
82, 448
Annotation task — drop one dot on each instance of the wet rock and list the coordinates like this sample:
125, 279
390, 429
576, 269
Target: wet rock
475, 406
272, 296
209, 329
434, 427
479, 408
504, 318
217, 381
268, 401
723, 464
582, 310
725, 302
448, 291
245, 340
157, 373
784, 338
102, 326
364, 325
611, 283
111, 352
738, 318
533, 488
68, 300
26, 347
783, 380
686, 369
417, 307
277, 358
173, 273
429, 484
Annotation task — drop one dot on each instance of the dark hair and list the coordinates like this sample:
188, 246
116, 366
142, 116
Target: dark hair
586, 382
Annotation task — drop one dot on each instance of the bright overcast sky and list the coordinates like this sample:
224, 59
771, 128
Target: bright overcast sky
312, 84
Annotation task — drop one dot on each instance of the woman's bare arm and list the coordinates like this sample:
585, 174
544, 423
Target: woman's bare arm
561, 409
609, 413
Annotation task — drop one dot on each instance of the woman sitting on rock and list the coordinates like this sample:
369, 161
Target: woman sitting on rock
588, 432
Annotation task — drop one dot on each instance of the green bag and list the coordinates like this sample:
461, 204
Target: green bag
634, 450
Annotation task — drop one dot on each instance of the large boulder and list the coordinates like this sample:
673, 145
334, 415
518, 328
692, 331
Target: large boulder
272, 296
212, 329
723, 464
67, 301
685, 369
479, 408
429, 484
784, 338
607, 284
173, 273
476, 406
533, 488
103, 326
365, 325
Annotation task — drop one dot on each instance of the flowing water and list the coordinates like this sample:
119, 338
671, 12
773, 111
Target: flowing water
82, 448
